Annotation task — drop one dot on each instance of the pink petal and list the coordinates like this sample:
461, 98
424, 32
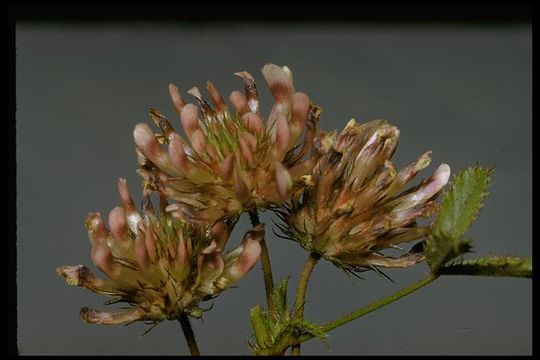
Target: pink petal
119, 227
176, 98
282, 136
300, 109
426, 191
133, 216
177, 154
189, 117
218, 101
147, 142
123, 317
279, 82
283, 180
253, 122
246, 152
227, 167
198, 142
102, 257
80, 275
239, 102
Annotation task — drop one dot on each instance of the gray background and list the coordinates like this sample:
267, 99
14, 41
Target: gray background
463, 92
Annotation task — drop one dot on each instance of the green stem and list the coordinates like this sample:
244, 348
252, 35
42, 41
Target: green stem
298, 309
295, 350
188, 334
265, 261
502, 266
372, 307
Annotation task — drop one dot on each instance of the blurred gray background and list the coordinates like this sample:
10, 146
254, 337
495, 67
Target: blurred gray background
462, 91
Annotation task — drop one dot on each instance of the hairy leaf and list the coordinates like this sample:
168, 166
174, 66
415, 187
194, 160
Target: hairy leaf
462, 202
259, 324
459, 207
279, 297
441, 249
276, 332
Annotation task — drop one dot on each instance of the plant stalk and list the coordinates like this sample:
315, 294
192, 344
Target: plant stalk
298, 309
372, 307
188, 334
265, 262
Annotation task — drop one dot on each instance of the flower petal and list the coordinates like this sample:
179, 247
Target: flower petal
129, 316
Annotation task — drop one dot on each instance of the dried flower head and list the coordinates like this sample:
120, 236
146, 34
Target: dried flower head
234, 161
162, 266
357, 205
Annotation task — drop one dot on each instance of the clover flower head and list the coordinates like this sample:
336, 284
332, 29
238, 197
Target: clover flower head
358, 204
162, 266
232, 161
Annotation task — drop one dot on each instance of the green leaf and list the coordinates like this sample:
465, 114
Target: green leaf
274, 334
271, 331
459, 207
258, 322
279, 297
441, 249
462, 202
503, 266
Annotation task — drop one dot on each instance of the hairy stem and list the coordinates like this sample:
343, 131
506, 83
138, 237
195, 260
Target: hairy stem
502, 266
265, 261
188, 334
298, 310
372, 307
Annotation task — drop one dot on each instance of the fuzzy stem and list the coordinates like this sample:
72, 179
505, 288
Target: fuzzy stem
372, 307
189, 335
265, 261
503, 266
298, 310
